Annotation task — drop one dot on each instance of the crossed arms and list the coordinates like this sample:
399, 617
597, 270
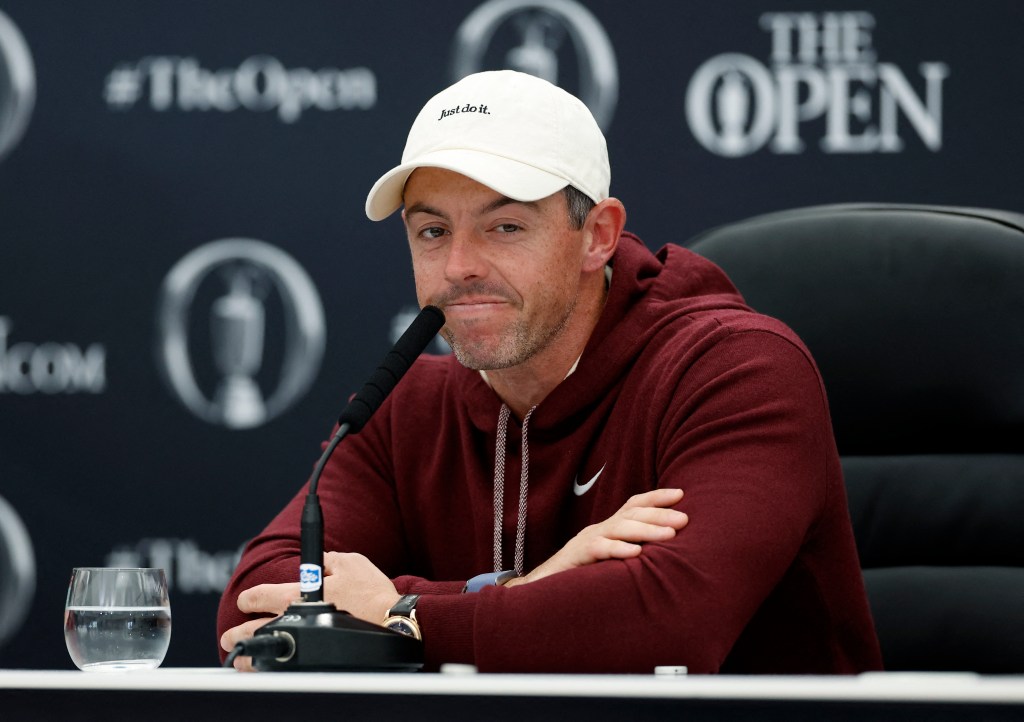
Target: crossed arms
354, 584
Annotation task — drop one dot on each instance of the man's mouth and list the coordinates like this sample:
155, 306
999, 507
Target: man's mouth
470, 306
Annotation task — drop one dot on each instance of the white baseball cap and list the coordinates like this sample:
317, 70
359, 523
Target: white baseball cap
515, 133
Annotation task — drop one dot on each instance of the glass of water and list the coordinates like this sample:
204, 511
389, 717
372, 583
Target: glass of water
117, 619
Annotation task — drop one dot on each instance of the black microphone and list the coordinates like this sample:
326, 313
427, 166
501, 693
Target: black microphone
313, 635
412, 343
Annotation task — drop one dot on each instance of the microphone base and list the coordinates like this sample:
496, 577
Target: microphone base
328, 640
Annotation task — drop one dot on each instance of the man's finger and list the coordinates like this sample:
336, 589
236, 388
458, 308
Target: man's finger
655, 497
604, 548
656, 515
243, 631
268, 598
631, 530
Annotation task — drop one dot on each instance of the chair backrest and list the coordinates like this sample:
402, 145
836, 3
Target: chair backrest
915, 316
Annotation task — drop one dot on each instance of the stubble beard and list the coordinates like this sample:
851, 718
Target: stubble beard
518, 343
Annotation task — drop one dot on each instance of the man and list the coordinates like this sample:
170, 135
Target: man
592, 384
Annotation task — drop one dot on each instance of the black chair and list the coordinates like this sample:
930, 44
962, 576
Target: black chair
915, 315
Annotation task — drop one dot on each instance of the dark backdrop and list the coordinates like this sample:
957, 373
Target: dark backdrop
164, 391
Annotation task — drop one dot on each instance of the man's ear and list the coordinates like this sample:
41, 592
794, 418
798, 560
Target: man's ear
601, 233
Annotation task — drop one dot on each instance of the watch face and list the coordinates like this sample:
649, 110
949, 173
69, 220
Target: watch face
403, 626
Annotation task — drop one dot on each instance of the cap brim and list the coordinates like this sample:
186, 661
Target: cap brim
519, 181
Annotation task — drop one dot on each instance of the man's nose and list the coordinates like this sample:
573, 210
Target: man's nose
466, 259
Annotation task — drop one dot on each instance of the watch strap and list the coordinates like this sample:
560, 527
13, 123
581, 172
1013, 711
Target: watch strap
491, 579
405, 606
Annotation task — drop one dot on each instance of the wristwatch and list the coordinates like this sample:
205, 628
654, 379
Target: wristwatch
401, 618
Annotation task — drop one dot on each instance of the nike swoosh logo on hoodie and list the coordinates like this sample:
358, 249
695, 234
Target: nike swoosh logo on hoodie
581, 489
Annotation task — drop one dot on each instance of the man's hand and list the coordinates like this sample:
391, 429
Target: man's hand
643, 518
354, 584
262, 599
351, 582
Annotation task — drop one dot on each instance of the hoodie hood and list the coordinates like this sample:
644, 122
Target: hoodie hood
648, 292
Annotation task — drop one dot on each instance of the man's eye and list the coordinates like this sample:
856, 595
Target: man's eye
508, 228
432, 232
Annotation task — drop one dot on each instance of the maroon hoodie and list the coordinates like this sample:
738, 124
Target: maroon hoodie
680, 385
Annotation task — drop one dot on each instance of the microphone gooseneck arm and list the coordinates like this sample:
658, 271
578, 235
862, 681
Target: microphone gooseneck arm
311, 525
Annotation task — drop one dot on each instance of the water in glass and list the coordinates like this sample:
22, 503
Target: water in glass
117, 619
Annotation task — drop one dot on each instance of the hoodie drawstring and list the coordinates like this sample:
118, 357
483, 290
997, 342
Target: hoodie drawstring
499, 490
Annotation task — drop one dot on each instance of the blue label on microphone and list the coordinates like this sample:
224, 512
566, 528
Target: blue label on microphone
310, 577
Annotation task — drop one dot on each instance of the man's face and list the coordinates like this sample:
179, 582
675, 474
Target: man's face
505, 273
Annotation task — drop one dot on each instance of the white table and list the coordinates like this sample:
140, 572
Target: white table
198, 694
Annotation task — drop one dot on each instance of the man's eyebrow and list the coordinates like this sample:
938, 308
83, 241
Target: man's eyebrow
424, 208
501, 201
